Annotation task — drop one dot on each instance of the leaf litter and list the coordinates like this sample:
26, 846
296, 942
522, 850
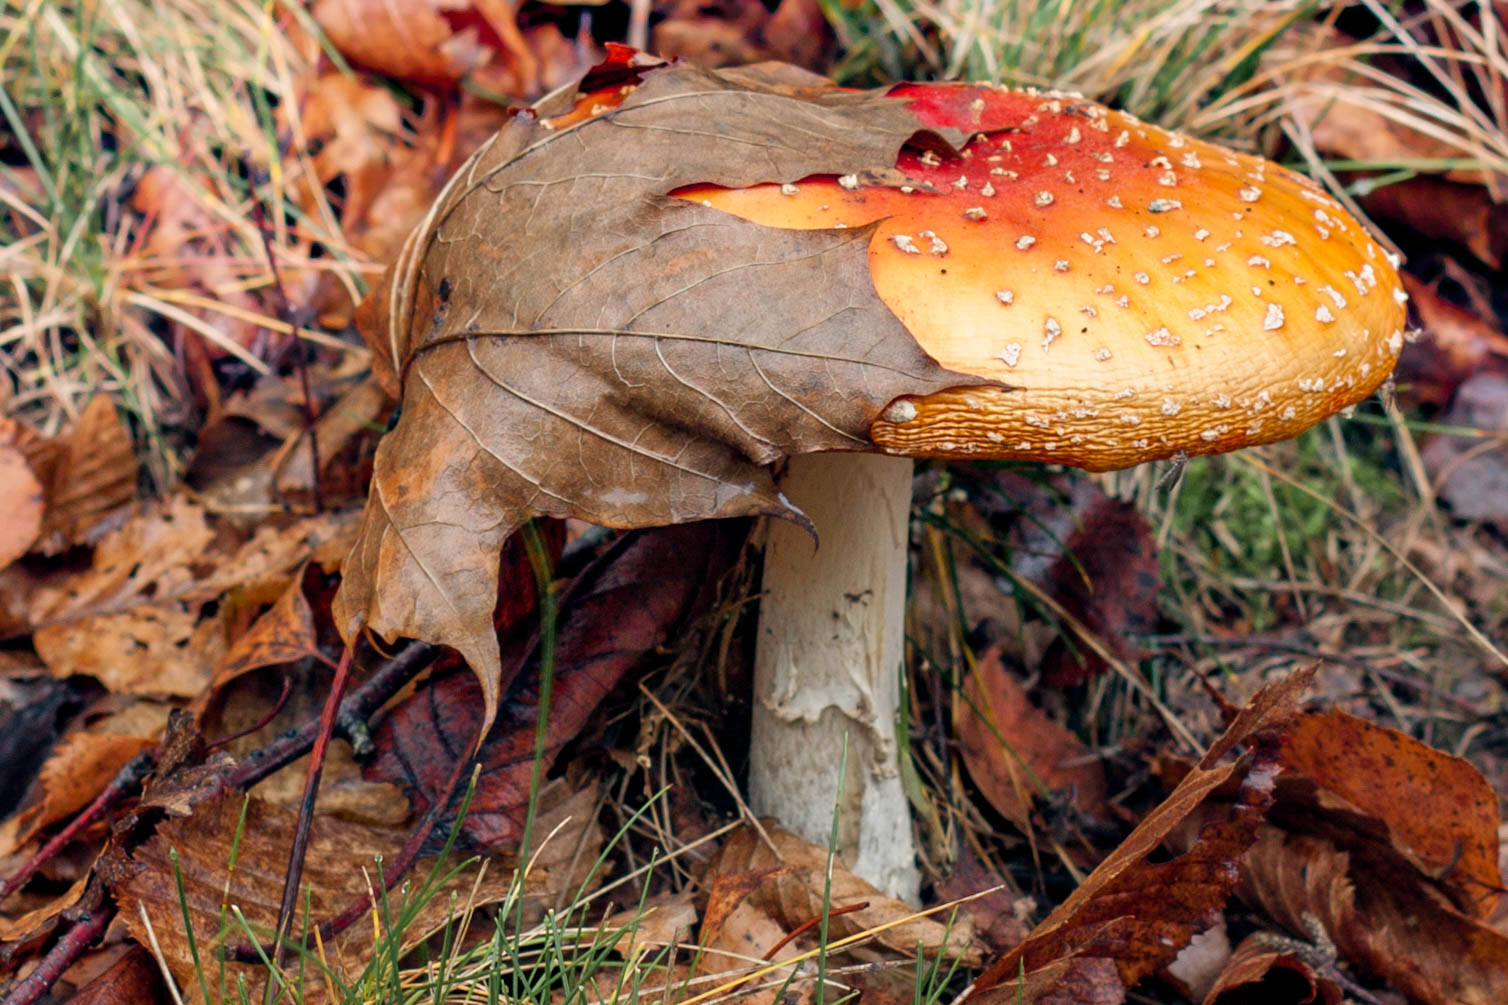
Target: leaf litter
1353, 852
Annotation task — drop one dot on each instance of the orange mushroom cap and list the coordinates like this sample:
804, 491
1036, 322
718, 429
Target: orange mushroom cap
1137, 293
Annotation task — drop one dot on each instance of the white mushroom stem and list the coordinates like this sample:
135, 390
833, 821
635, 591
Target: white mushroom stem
828, 665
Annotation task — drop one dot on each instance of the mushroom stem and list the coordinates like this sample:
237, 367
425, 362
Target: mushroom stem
828, 661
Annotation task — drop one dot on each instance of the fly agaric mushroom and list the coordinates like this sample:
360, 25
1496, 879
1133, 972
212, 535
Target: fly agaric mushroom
1084, 289
1137, 294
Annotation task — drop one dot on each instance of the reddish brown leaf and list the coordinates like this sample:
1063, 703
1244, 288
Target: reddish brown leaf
134, 979
993, 915
1386, 924
576, 344
1430, 208
1382, 787
617, 611
1457, 344
1092, 554
1134, 915
1013, 750
1258, 973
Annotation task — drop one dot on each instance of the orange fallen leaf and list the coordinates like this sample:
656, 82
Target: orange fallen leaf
1013, 751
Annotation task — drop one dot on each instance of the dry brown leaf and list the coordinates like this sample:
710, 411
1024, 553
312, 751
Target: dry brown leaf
338, 868
1457, 344
435, 43
1388, 925
1131, 915
94, 473
741, 942
78, 770
283, 634
1465, 215
21, 505
790, 889
574, 343
1389, 791
1011, 748
134, 619
133, 979
43, 917
1257, 972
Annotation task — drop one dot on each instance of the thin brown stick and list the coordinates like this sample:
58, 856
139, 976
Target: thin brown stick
300, 846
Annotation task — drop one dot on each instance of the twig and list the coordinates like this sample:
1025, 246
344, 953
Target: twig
125, 781
300, 845
60, 957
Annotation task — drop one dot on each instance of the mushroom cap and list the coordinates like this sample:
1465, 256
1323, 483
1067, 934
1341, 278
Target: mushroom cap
1137, 293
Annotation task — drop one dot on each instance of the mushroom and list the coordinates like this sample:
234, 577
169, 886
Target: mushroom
1136, 294
1084, 289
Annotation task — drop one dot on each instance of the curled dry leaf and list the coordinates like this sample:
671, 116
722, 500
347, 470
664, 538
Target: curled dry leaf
576, 342
1389, 925
1391, 849
1131, 916
1013, 750
1258, 972
787, 883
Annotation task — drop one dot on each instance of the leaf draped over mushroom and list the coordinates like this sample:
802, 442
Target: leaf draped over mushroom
573, 341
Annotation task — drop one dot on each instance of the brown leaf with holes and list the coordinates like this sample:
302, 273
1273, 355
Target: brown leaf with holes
574, 342
1131, 916
1014, 751
790, 889
135, 618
